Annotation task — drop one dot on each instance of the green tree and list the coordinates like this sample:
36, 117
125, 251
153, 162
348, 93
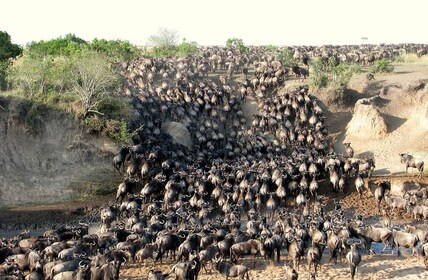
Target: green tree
238, 44
8, 50
92, 79
116, 50
68, 45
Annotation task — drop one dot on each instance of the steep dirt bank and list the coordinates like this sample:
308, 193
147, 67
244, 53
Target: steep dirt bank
46, 157
403, 112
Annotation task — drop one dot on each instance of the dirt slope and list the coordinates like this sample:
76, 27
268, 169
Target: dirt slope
47, 159
403, 112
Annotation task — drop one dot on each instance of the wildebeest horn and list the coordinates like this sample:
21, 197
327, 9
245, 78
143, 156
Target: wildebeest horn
80, 264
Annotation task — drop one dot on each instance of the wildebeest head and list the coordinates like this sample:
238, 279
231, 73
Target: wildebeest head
404, 157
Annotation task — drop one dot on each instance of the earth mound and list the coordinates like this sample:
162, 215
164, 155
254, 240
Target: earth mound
366, 122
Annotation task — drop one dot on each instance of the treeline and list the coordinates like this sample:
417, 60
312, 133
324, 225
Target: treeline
77, 75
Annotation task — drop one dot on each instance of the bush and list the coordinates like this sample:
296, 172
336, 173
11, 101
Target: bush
287, 58
118, 130
28, 113
114, 108
332, 76
115, 50
381, 66
238, 44
187, 48
68, 45
32, 75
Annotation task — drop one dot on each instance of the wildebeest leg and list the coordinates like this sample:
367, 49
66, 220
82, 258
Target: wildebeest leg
392, 248
369, 244
385, 245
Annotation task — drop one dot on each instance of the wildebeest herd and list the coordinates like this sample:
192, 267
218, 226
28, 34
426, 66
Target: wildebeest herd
244, 185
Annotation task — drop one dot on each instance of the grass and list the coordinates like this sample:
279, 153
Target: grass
411, 59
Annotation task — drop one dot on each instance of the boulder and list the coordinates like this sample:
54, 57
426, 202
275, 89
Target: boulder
179, 133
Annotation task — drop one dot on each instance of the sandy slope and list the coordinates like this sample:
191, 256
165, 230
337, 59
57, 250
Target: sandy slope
401, 112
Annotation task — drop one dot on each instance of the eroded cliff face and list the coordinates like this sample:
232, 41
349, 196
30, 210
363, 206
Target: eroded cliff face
48, 157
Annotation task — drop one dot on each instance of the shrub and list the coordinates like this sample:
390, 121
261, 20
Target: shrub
114, 108
381, 66
67, 45
118, 130
187, 48
238, 44
32, 74
287, 58
115, 50
28, 112
333, 76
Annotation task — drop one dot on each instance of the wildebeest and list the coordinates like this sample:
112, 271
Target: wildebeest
396, 202
232, 270
120, 158
155, 275
349, 152
208, 255
108, 271
354, 258
314, 256
380, 191
290, 272
421, 234
273, 244
250, 247
296, 252
413, 162
373, 234
167, 242
146, 252
403, 239
182, 270
359, 185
